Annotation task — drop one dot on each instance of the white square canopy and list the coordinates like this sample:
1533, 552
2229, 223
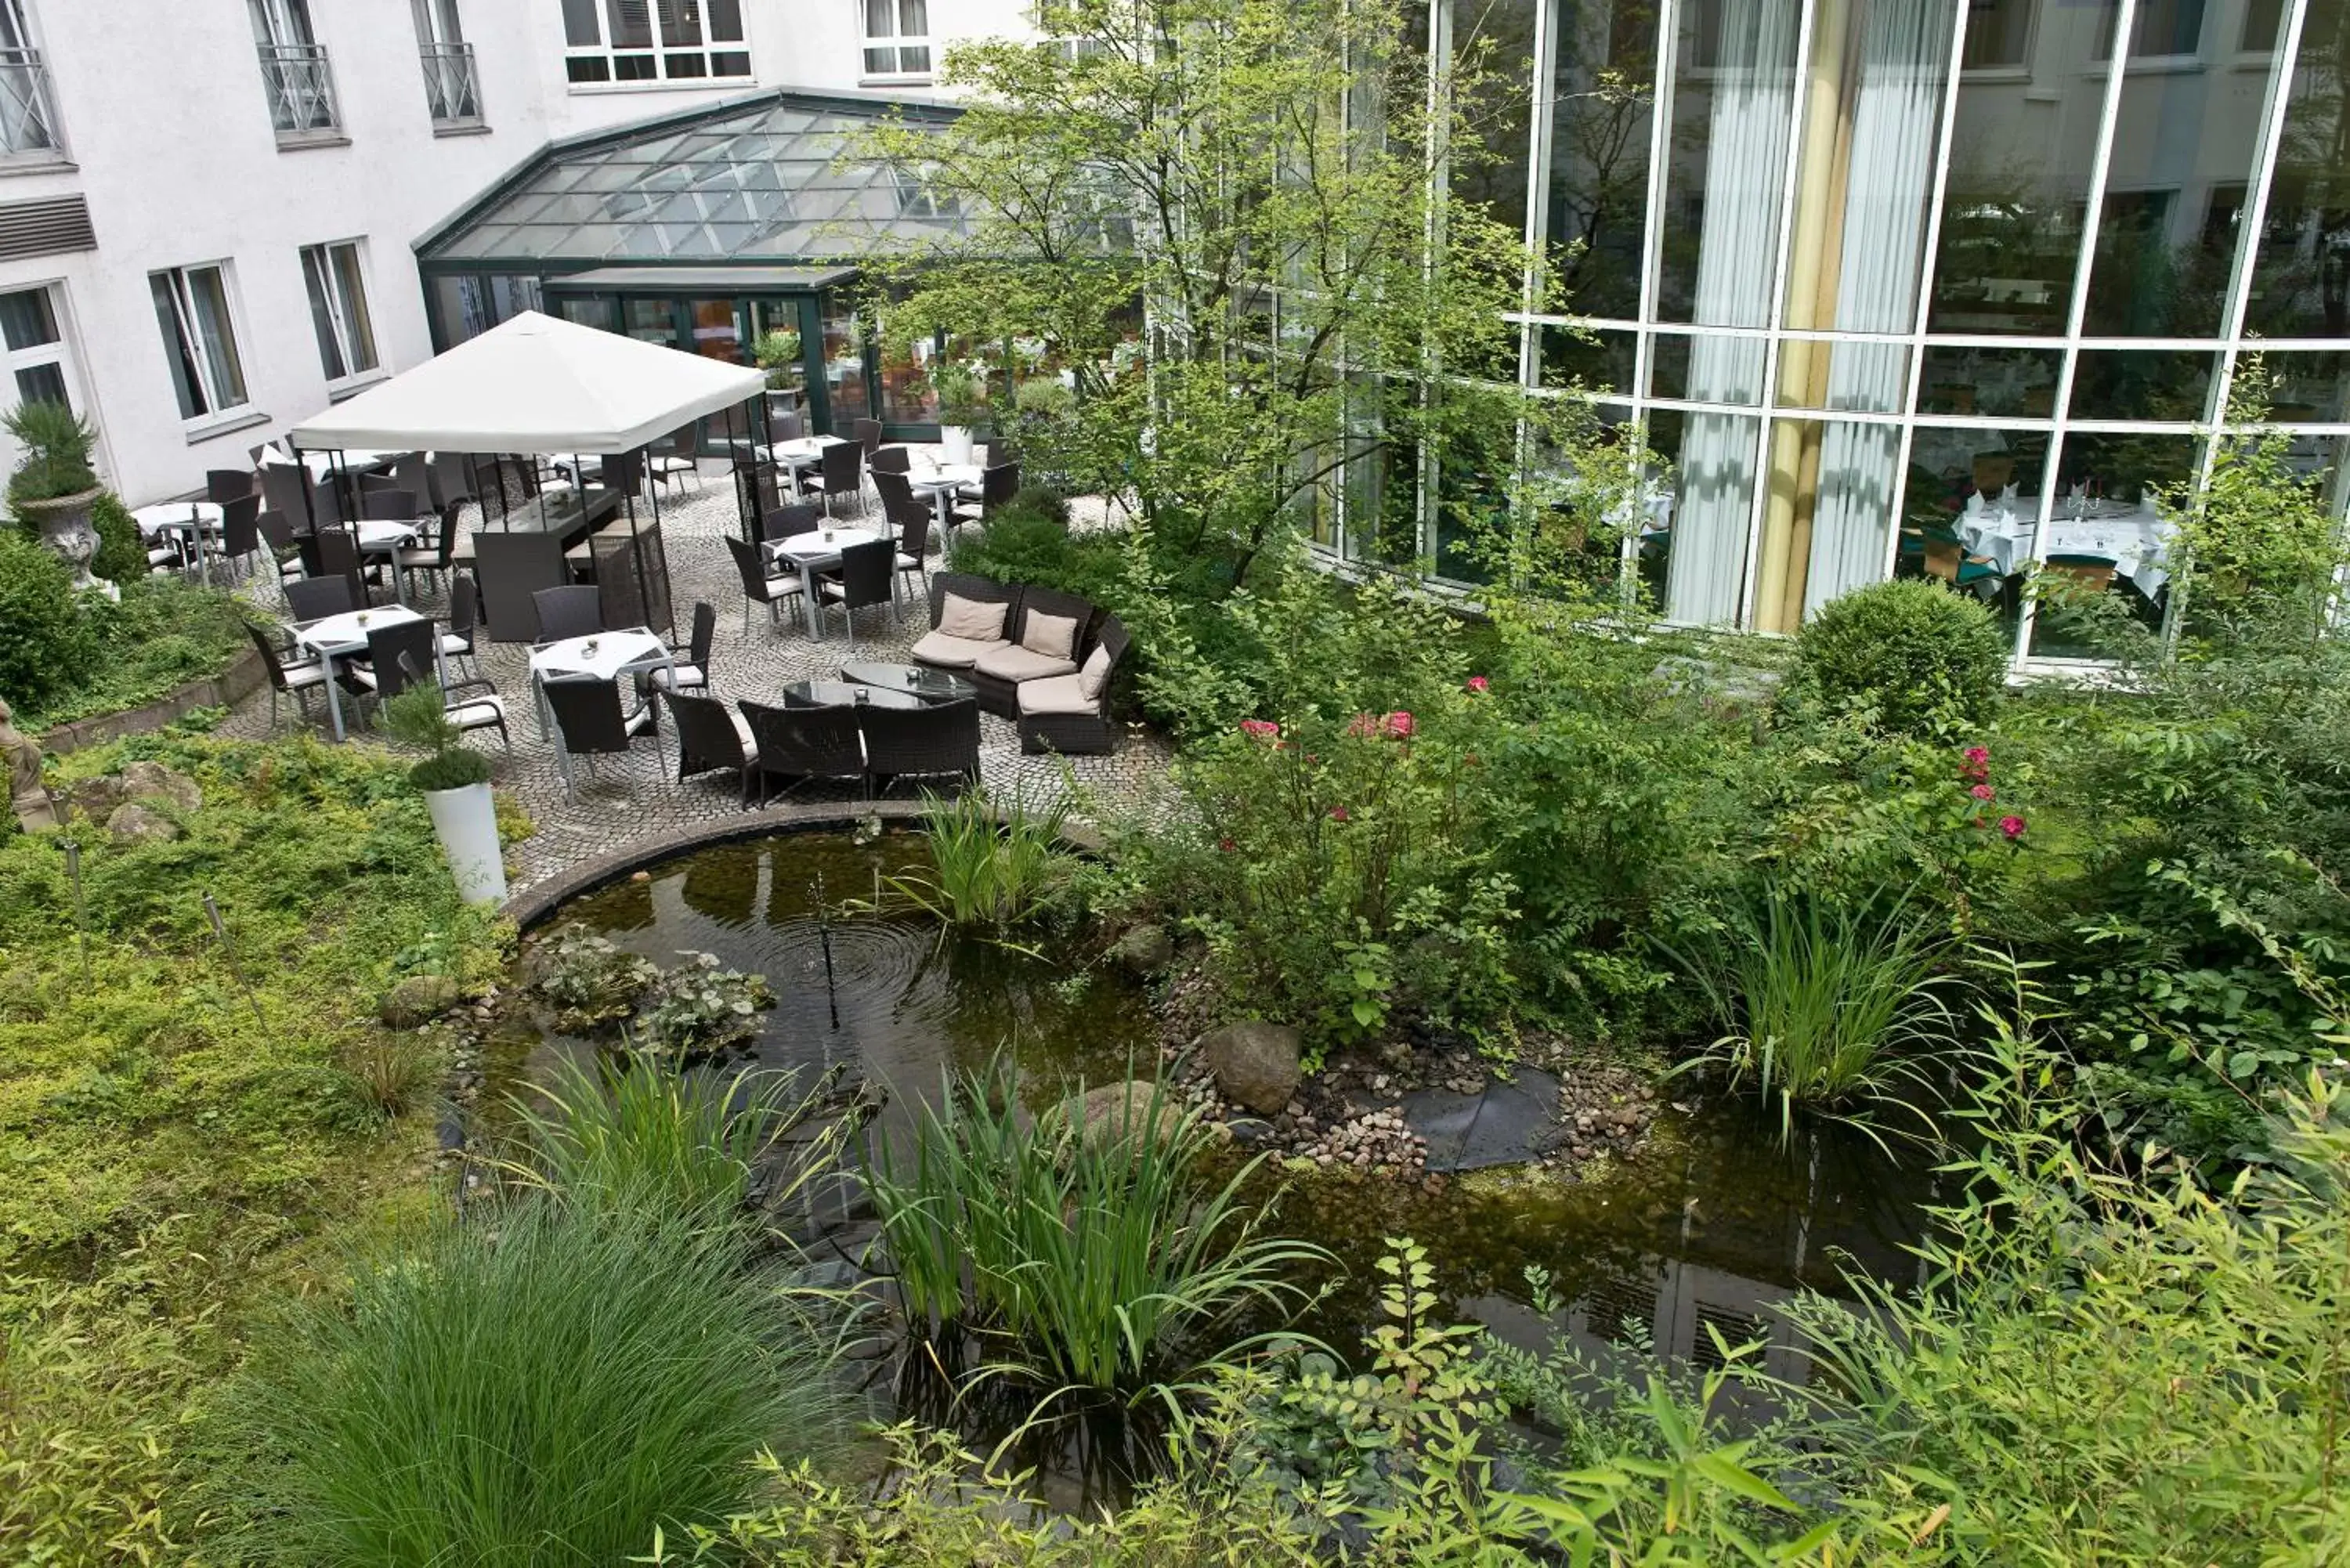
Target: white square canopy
533, 385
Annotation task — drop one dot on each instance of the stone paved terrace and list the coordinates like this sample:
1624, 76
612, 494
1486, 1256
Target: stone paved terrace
634, 800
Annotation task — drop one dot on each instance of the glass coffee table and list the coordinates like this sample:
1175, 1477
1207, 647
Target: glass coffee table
915, 681
842, 694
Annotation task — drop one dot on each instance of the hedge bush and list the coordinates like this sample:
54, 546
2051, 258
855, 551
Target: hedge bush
46, 641
1913, 655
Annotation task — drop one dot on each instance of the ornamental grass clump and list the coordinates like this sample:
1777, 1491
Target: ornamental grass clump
990, 866
1083, 1261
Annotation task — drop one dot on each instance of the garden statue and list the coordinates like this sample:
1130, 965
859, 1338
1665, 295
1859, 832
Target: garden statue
35, 810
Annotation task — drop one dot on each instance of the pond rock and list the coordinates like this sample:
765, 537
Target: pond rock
153, 781
1506, 1124
1105, 1112
134, 824
1255, 1063
417, 1000
1144, 951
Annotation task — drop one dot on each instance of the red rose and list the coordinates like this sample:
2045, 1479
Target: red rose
1338, 814
1479, 683
1260, 729
1983, 792
1399, 725
2012, 825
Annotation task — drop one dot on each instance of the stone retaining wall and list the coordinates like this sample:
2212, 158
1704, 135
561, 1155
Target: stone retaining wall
243, 676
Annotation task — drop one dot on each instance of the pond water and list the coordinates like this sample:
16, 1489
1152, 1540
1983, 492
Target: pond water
1706, 1226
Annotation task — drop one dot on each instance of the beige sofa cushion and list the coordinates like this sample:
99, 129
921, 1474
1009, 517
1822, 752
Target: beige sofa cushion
1054, 636
1095, 673
1017, 664
970, 620
1057, 694
953, 653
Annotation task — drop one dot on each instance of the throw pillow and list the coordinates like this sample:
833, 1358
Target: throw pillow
1095, 675
971, 619
1054, 636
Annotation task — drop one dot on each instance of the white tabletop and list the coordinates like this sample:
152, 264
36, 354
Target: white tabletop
342, 633
2007, 536
803, 449
813, 547
384, 533
602, 656
945, 476
176, 516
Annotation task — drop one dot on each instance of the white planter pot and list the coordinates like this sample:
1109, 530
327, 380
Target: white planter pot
467, 821
956, 442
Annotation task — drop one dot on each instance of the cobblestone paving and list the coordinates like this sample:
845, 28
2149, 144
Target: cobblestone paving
632, 798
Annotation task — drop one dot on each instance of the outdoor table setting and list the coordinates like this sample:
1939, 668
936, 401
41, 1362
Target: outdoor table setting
2006, 533
339, 637
844, 693
796, 456
942, 482
606, 656
814, 553
916, 680
182, 520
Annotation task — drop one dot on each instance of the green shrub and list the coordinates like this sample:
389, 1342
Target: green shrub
1033, 546
1918, 657
543, 1385
46, 644
121, 557
55, 443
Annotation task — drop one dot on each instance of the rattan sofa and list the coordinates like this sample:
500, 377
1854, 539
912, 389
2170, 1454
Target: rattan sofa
998, 668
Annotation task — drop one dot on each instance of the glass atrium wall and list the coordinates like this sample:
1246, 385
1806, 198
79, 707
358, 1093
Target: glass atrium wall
1914, 285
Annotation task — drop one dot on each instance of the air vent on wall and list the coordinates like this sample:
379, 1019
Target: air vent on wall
51, 227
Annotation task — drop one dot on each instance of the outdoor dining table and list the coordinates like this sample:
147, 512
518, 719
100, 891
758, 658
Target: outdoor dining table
942, 483
181, 517
2006, 535
817, 551
795, 457
605, 656
846, 694
340, 636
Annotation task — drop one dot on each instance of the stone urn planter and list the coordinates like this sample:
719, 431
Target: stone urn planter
955, 443
65, 528
465, 819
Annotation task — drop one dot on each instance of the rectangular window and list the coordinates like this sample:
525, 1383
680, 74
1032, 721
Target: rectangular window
897, 37
653, 40
339, 309
199, 338
35, 348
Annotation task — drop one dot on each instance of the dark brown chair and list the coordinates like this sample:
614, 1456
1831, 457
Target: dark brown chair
890, 460
226, 484
298, 682
437, 557
691, 673
910, 515
842, 473
1060, 715
277, 531
998, 483
240, 536
934, 742
390, 504
783, 522
867, 434
316, 598
867, 577
487, 712
673, 459
805, 745
451, 479
710, 738
758, 587
588, 723
464, 618
574, 611
331, 552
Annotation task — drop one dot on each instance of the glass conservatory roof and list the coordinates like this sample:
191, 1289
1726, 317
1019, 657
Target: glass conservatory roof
755, 181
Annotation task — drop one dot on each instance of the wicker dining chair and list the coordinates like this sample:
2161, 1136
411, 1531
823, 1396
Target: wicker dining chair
709, 738
934, 742
805, 745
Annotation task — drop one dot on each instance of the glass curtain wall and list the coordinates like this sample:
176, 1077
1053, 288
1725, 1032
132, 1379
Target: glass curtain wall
1939, 287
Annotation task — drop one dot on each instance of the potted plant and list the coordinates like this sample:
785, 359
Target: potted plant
55, 487
961, 396
456, 786
778, 354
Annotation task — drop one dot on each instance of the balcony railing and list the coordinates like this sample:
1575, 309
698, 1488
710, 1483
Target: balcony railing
301, 90
450, 85
28, 121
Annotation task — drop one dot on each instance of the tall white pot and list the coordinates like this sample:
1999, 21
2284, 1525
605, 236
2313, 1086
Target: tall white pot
956, 442
466, 819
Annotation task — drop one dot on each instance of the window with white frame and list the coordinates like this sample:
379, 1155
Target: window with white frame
653, 40
34, 348
192, 306
897, 37
339, 309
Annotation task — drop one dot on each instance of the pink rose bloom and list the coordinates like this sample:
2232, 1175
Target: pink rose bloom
1225, 844
1338, 814
1479, 683
1260, 729
1978, 756
2012, 825
1983, 792
1363, 724
1399, 725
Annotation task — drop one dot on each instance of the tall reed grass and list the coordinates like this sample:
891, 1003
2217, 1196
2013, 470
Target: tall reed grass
1102, 1261
988, 867
1827, 1006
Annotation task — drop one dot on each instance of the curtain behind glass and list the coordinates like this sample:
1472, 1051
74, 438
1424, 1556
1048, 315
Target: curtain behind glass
1753, 86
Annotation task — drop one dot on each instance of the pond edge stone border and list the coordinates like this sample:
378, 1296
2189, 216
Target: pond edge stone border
239, 679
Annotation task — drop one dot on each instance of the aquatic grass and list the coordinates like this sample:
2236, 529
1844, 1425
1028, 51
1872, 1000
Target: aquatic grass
990, 866
545, 1383
1827, 1006
621, 1133
1095, 1260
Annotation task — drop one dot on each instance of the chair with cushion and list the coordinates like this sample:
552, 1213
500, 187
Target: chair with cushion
437, 557
588, 723
577, 610
841, 471
331, 552
276, 531
375, 484
672, 461
910, 516
758, 587
240, 534
710, 736
867, 579
969, 616
413, 474
1069, 714
1050, 635
488, 711
937, 740
998, 483
452, 475
805, 745
890, 460
316, 598
400, 657
691, 673
464, 618
299, 680
867, 434
784, 522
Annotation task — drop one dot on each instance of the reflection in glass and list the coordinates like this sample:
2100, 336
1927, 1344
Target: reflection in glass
2183, 146
1604, 101
1999, 383
1733, 96
2301, 271
2105, 549
1499, 34
2021, 149
651, 321
1733, 367
2311, 388
1601, 360
717, 334
2164, 385
1694, 561
1970, 496
844, 364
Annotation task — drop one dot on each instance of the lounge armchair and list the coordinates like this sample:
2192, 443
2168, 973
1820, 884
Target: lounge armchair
1049, 634
974, 629
1069, 714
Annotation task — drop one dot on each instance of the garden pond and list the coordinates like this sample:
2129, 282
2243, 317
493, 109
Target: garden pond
1704, 1226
